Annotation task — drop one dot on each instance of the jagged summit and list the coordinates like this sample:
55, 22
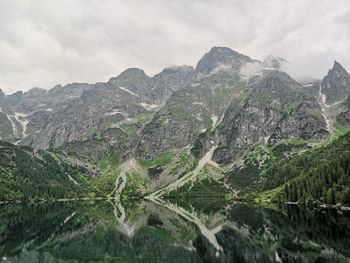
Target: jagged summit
337, 65
187, 98
336, 85
337, 70
221, 58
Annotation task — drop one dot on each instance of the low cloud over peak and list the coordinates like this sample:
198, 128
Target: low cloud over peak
43, 43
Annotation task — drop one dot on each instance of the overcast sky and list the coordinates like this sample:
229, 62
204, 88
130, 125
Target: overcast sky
46, 42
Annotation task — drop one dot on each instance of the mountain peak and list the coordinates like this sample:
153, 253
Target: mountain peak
338, 66
226, 50
133, 72
336, 85
221, 58
338, 69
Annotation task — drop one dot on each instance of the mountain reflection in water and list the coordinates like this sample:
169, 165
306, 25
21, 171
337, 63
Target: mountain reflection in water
198, 230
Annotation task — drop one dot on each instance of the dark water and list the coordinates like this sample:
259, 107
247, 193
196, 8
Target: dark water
197, 231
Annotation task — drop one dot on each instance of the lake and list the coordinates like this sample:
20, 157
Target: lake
197, 230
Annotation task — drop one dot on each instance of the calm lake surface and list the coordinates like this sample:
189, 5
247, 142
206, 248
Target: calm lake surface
203, 230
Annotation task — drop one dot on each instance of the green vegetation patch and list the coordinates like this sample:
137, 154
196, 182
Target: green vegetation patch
341, 128
135, 185
205, 187
163, 159
130, 130
241, 177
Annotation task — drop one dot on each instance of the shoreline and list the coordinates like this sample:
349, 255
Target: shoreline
325, 206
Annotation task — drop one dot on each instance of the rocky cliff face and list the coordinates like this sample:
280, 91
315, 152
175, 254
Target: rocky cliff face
344, 116
94, 111
334, 97
276, 109
336, 85
188, 112
170, 80
222, 59
229, 99
199, 106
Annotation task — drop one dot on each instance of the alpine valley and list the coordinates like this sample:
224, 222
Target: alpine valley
230, 161
232, 127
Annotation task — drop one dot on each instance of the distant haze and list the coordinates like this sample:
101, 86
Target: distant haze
46, 42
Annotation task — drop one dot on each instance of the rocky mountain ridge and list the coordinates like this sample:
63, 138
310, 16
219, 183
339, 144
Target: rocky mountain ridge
223, 119
170, 109
48, 119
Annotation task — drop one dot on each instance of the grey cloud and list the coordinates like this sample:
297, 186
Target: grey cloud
45, 42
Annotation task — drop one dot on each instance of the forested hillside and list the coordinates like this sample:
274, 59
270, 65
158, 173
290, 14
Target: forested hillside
319, 175
27, 174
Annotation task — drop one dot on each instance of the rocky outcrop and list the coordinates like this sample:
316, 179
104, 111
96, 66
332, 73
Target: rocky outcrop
188, 113
344, 117
276, 109
113, 142
336, 85
217, 81
94, 111
170, 80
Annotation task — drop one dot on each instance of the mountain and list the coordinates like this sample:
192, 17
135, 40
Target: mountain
276, 109
223, 59
213, 129
336, 85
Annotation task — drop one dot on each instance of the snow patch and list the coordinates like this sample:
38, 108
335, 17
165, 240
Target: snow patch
149, 106
197, 103
68, 218
277, 258
19, 118
215, 119
114, 112
269, 68
72, 179
266, 139
334, 104
132, 93
12, 124
322, 102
